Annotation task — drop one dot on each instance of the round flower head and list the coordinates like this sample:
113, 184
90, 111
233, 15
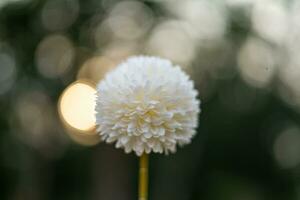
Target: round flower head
146, 104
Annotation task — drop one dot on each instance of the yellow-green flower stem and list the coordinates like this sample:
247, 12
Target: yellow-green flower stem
143, 177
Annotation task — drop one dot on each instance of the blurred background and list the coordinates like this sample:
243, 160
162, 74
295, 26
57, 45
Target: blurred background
242, 55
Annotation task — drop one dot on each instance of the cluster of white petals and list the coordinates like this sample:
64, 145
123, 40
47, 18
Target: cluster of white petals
146, 104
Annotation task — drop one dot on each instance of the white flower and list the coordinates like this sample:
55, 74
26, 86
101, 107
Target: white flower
146, 104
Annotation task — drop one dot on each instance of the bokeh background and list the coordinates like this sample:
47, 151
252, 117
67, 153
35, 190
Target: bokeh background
242, 54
